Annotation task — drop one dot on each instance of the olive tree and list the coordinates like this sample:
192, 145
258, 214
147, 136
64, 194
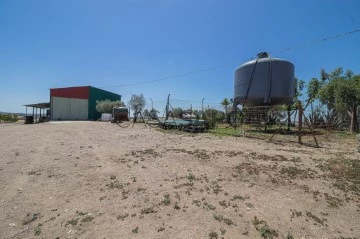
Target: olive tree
106, 106
137, 103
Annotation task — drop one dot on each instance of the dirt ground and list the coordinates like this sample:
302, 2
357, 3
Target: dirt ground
97, 180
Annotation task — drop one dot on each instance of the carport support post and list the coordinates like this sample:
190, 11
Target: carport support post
300, 123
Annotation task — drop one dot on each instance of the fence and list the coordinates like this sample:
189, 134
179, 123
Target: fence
279, 123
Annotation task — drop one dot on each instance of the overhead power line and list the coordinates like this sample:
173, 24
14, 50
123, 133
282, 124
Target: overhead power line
171, 77
227, 64
318, 41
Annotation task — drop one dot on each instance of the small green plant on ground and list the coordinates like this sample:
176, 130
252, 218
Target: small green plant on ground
37, 230
208, 206
190, 177
150, 152
213, 235
216, 187
73, 222
122, 216
295, 213
344, 171
166, 200
333, 202
315, 218
82, 213
115, 185
238, 197
148, 210
221, 218
223, 203
264, 229
161, 229
87, 218
30, 219
289, 236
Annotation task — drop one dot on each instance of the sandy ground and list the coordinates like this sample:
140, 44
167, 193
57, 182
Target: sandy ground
97, 180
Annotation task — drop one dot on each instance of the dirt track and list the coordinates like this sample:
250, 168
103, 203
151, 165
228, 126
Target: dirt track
97, 180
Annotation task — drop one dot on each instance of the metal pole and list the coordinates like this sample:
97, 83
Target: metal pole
167, 108
202, 108
152, 104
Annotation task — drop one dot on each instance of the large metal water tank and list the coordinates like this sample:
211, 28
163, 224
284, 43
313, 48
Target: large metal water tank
264, 81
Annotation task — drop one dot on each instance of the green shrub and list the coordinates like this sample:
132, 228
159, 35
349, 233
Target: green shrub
8, 118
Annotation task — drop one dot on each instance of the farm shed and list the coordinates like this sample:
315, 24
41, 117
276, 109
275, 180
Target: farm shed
78, 103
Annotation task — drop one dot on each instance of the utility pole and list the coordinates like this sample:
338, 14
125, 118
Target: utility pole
152, 104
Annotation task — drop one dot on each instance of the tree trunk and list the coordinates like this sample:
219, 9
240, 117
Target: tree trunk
354, 124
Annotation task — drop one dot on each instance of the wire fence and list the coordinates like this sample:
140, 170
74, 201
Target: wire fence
279, 123
311, 126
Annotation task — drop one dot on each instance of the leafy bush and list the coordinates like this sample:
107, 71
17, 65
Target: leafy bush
213, 116
106, 106
8, 118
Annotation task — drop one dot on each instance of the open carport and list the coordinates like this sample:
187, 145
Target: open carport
34, 117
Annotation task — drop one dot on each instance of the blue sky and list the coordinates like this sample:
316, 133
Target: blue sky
49, 44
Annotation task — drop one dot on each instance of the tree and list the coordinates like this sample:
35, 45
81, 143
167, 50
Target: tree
137, 102
300, 84
153, 114
146, 113
341, 92
106, 106
213, 116
177, 112
225, 102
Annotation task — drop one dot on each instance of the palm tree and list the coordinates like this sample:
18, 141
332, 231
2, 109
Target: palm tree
225, 102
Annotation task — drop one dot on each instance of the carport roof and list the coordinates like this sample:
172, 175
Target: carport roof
39, 105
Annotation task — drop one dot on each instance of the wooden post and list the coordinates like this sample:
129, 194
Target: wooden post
235, 117
167, 108
312, 131
289, 118
300, 123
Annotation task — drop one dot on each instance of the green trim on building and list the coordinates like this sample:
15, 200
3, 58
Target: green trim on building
96, 94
